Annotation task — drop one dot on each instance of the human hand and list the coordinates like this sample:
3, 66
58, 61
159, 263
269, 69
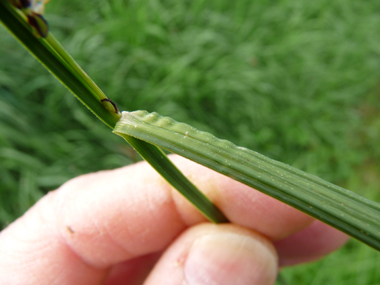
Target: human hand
128, 225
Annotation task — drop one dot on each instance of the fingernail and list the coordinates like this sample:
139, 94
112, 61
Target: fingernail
229, 258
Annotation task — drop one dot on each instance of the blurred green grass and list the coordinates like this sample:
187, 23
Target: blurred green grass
297, 81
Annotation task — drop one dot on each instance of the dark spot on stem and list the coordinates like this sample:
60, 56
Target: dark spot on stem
21, 4
39, 24
107, 100
25, 3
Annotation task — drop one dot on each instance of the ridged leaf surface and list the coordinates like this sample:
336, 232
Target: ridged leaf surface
334, 205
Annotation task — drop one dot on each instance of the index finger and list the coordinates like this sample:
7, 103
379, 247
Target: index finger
100, 219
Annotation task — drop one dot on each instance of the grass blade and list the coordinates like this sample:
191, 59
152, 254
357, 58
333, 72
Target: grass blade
55, 58
161, 163
327, 202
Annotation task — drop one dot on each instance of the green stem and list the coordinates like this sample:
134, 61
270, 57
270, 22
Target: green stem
163, 165
55, 63
52, 41
55, 58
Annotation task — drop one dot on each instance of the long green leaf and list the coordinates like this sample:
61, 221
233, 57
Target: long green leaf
55, 58
52, 58
161, 163
327, 202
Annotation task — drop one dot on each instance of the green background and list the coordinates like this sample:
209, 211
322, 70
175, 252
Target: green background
296, 80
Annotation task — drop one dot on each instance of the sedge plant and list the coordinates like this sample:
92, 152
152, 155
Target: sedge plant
149, 132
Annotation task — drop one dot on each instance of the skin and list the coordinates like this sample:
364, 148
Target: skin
128, 226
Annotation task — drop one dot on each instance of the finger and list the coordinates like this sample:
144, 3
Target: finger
32, 251
100, 219
241, 204
309, 244
124, 219
217, 254
134, 271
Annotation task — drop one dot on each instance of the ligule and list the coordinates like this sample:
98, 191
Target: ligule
334, 205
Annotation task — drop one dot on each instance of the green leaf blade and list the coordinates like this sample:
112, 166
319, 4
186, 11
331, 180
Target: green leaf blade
161, 163
325, 201
55, 58
72, 77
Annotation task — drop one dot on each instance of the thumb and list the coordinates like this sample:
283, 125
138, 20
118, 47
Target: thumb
217, 254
